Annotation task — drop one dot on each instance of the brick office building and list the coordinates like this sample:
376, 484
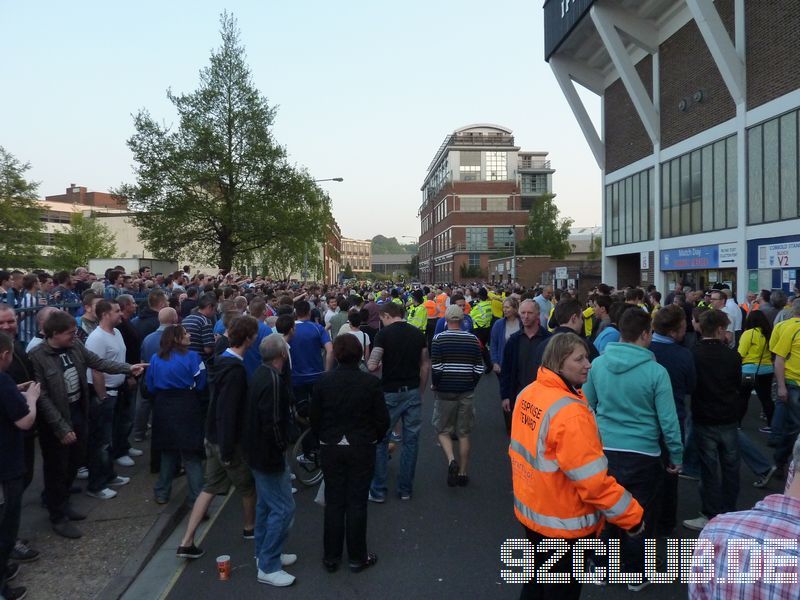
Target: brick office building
699, 144
77, 194
475, 201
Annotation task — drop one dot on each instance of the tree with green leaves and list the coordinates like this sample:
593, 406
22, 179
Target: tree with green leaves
84, 239
292, 257
348, 271
218, 187
20, 215
546, 233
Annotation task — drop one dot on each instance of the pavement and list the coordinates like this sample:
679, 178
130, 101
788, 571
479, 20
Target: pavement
119, 536
444, 543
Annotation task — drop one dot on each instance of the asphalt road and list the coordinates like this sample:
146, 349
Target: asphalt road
444, 543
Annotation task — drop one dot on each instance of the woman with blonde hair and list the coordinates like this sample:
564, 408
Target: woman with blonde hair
562, 490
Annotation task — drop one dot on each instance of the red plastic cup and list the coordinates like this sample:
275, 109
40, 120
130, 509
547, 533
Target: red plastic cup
224, 567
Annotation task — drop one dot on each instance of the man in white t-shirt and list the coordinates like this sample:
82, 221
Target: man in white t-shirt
734, 313
106, 342
333, 308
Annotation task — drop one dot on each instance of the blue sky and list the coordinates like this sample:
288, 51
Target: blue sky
365, 90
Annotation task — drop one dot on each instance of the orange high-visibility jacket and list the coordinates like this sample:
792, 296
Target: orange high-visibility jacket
561, 485
430, 306
441, 305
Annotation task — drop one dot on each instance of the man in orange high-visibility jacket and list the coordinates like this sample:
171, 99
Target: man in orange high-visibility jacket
562, 489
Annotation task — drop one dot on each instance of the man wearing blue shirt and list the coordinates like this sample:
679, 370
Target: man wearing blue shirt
306, 352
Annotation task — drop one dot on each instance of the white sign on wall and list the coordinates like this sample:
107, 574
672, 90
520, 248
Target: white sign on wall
561, 272
644, 260
779, 256
728, 255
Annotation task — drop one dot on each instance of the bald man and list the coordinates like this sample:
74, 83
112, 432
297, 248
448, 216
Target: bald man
166, 316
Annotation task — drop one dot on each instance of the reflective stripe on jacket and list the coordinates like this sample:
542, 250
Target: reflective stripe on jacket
561, 485
482, 314
418, 317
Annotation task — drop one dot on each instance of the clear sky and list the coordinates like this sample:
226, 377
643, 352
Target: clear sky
365, 90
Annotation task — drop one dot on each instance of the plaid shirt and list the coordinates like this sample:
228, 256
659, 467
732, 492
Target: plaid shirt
775, 517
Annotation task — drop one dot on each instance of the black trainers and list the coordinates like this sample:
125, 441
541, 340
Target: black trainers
12, 570
189, 552
452, 474
17, 593
249, 534
23, 553
463, 480
372, 560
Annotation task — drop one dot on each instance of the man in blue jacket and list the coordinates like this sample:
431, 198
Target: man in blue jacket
632, 397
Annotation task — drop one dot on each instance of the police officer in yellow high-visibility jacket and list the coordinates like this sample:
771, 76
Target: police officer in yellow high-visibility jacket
497, 300
481, 315
417, 314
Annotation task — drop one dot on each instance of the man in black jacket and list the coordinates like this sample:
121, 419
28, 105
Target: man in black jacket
716, 412
147, 321
264, 445
225, 464
520, 361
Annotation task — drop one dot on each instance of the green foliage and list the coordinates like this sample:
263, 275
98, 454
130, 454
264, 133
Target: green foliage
384, 245
20, 215
470, 272
219, 188
596, 250
85, 239
348, 271
546, 234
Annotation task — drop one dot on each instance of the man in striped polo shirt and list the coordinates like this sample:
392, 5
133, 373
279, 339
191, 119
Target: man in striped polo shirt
457, 366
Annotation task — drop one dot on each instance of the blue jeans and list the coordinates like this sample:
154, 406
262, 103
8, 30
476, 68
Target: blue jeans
691, 460
170, 462
274, 515
752, 456
718, 446
408, 407
98, 448
786, 425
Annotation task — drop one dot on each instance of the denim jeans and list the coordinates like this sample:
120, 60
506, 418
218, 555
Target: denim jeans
408, 407
643, 477
787, 422
101, 466
170, 462
122, 423
691, 460
751, 455
274, 516
718, 446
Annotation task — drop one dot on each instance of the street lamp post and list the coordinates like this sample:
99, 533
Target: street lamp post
512, 232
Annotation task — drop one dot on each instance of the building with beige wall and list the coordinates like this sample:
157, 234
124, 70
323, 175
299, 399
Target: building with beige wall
358, 254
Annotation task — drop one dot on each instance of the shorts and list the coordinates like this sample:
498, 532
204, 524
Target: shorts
454, 413
219, 478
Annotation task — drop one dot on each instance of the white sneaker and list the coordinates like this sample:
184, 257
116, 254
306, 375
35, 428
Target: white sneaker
638, 587
292, 476
294, 490
696, 524
287, 560
119, 481
83, 473
125, 461
104, 494
134, 452
278, 578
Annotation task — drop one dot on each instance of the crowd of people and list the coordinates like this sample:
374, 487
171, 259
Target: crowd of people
607, 400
